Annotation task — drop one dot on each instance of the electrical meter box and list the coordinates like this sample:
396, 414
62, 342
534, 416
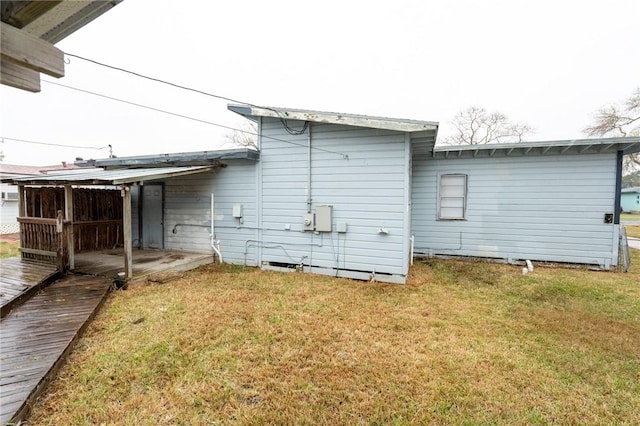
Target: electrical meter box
324, 218
308, 222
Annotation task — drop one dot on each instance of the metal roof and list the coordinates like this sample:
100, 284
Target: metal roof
107, 177
631, 190
199, 158
628, 145
401, 125
422, 133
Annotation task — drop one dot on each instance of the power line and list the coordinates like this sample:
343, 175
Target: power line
202, 92
286, 126
52, 144
345, 156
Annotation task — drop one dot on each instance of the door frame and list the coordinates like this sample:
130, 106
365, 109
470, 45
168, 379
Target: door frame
141, 214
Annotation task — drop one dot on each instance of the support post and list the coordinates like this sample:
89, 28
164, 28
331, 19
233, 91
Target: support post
22, 209
68, 216
126, 222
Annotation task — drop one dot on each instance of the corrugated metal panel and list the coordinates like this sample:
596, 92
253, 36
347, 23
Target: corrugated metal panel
109, 177
537, 208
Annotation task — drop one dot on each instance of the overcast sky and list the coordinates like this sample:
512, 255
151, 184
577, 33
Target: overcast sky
550, 63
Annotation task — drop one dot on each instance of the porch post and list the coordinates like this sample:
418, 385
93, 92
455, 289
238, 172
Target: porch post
22, 211
68, 216
22, 201
126, 222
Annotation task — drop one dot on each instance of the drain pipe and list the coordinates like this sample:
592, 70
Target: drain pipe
309, 170
215, 244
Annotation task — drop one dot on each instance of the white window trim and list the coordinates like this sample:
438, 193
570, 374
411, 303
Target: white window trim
465, 197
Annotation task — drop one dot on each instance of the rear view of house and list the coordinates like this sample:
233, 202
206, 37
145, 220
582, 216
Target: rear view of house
358, 197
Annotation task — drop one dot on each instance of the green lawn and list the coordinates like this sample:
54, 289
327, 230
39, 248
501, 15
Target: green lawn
9, 249
627, 216
463, 343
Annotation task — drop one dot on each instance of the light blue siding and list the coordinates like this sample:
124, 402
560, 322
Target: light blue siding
630, 201
187, 215
362, 173
538, 208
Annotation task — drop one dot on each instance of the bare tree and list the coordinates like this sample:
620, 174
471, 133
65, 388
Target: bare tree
245, 136
475, 126
622, 119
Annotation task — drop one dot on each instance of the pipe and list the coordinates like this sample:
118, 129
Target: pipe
215, 244
413, 241
309, 170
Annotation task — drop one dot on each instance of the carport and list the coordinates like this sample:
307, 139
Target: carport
64, 214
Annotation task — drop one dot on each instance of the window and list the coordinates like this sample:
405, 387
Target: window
453, 197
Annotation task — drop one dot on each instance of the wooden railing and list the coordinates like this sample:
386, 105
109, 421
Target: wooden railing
47, 239
42, 239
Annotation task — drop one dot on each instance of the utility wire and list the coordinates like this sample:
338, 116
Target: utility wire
283, 120
52, 144
202, 92
345, 156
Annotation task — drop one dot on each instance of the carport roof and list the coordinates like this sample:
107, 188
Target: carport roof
107, 177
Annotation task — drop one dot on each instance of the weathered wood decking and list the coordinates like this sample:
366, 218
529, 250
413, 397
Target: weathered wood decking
19, 278
108, 263
36, 336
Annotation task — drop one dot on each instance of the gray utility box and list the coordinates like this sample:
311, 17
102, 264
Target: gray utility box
324, 218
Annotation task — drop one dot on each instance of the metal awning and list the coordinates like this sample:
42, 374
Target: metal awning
106, 177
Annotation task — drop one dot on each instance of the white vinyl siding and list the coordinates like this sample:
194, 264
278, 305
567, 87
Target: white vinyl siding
452, 197
544, 208
187, 215
362, 173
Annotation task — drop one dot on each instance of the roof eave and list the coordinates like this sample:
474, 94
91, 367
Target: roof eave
384, 123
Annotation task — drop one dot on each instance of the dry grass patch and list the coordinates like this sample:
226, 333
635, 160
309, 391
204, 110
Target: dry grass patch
633, 231
462, 343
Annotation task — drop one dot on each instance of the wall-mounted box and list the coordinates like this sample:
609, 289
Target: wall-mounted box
237, 210
308, 222
324, 218
341, 227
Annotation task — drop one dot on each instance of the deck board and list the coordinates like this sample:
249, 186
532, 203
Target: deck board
37, 335
19, 278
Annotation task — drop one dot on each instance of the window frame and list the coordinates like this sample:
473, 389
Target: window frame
441, 197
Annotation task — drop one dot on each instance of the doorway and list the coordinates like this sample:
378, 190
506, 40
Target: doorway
152, 232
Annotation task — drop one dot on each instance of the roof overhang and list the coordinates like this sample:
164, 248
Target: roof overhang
400, 125
200, 158
106, 177
423, 134
628, 145
29, 31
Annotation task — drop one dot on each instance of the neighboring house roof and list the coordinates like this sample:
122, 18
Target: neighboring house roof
627, 145
107, 177
16, 169
423, 133
632, 190
199, 158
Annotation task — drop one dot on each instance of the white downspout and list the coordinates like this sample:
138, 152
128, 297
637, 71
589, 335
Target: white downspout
215, 244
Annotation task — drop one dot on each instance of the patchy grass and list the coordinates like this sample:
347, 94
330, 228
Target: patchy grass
462, 343
628, 216
8, 249
633, 231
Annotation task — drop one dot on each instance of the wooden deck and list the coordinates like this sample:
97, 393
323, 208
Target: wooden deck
108, 263
37, 335
19, 278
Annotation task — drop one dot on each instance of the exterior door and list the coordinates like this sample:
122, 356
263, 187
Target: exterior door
152, 216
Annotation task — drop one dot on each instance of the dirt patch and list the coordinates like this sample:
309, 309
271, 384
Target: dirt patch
9, 238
